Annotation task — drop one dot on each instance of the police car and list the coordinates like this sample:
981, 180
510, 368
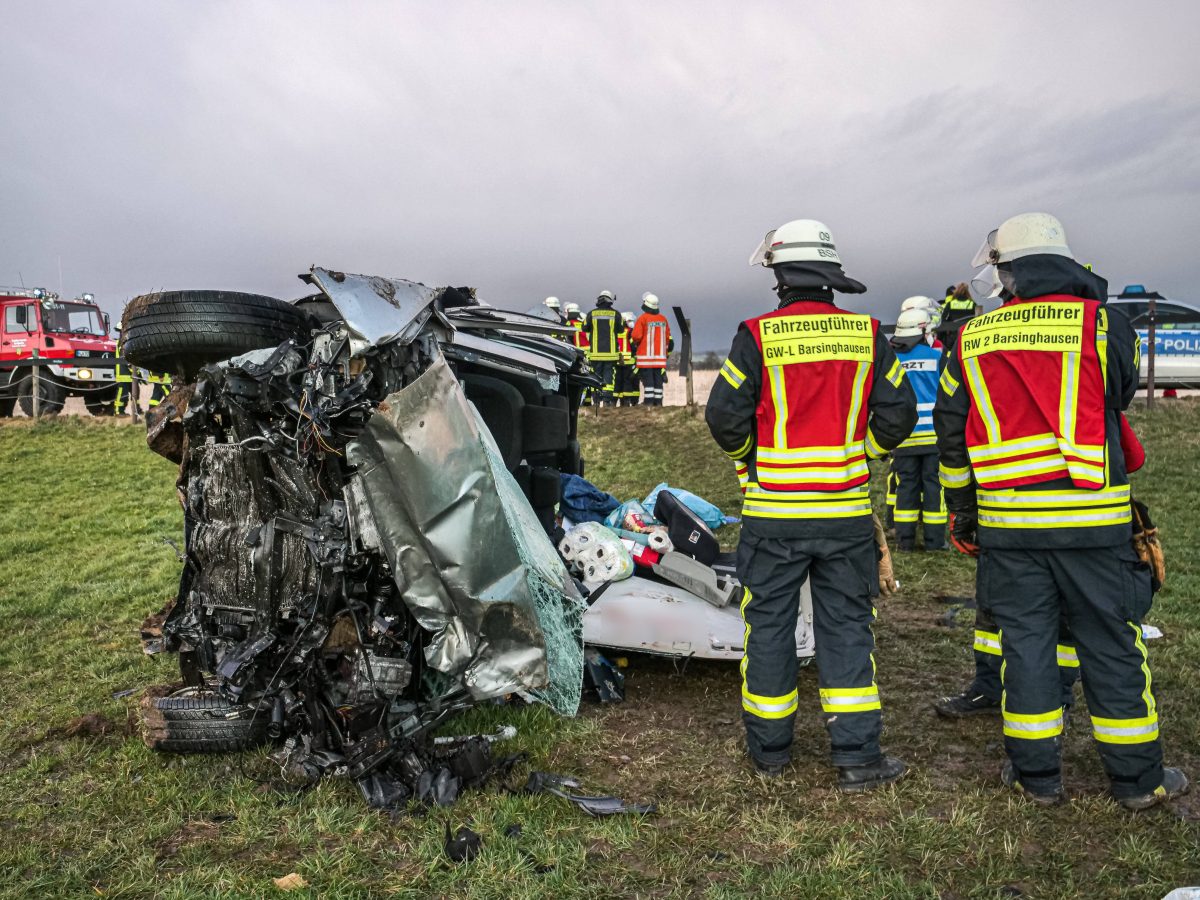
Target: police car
1176, 335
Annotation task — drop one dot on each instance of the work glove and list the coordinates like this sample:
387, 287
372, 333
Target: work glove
964, 532
887, 576
1146, 544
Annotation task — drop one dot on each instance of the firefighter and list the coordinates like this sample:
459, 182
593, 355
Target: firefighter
652, 341
579, 339
627, 372
602, 326
122, 378
1028, 427
160, 386
808, 393
914, 462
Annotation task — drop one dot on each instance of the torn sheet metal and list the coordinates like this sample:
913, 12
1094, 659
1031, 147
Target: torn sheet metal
377, 310
645, 616
465, 552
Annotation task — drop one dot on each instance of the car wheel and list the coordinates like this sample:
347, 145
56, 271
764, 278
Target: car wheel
199, 721
179, 332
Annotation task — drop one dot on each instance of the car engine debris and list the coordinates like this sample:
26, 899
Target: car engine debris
368, 501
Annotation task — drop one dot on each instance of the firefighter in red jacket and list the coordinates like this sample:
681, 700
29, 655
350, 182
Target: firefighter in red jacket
808, 393
1028, 424
652, 341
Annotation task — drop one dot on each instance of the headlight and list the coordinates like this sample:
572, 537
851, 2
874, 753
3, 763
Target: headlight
84, 374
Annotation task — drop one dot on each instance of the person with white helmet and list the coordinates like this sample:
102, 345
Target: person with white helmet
807, 394
915, 461
602, 325
1028, 422
652, 341
626, 379
554, 307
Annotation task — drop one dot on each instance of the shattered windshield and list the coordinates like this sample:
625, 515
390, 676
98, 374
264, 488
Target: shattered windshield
72, 318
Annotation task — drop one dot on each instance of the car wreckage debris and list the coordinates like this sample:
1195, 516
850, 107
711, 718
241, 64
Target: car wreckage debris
595, 806
367, 509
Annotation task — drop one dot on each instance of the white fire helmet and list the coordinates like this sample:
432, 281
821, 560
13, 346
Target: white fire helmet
1024, 235
918, 302
572, 308
629, 317
552, 303
649, 300
912, 323
801, 240
606, 295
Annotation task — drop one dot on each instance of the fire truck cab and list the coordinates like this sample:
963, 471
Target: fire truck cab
70, 335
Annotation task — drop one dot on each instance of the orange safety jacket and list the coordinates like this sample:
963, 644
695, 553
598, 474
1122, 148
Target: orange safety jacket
651, 333
624, 357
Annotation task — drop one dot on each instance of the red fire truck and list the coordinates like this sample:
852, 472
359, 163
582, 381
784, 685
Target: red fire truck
69, 335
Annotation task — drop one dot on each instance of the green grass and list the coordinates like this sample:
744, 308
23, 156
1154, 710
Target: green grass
86, 508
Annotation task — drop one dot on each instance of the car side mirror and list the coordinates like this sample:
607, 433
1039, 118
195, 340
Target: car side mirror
22, 316
107, 323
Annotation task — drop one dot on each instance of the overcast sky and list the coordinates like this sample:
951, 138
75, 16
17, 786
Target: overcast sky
540, 148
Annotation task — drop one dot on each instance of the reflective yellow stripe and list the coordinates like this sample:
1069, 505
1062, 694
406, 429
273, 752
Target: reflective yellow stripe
737, 373
1033, 726
895, 374
1013, 447
1125, 731
817, 474
769, 707
924, 439
935, 518
779, 397
1052, 519
987, 642
1068, 396
846, 700
874, 450
857, 391
1102, 346
907, 515
947, 383
733, 384
1032, 466
953, 477
1109, 496
742, 450
983, 399
805, 504
1067, 657
811, 454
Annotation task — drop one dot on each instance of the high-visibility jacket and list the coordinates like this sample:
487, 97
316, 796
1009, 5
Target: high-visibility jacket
651, 336
807, 394
1028, 423
578, 336
624, 352
955, 309
922, 365
601, 327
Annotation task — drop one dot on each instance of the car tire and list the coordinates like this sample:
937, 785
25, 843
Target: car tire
199, 721
179, 332
52, 395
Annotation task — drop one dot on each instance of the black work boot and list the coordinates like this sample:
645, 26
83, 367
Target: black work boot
1174, 784
1041, 797
855, 779
767, 770
969, 703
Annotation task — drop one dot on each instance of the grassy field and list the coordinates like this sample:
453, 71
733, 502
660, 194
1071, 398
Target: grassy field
84, 521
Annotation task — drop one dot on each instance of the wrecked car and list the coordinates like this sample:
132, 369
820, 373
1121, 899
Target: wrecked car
369, 477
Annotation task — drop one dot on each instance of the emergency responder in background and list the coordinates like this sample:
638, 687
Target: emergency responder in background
160, 386
956, 309
627, 373
601, 327
554, 309
807, 394
914, 462
1028, 427
123, 379
579, 340
652, 341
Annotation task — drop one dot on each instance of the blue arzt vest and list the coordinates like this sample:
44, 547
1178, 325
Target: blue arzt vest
922, 367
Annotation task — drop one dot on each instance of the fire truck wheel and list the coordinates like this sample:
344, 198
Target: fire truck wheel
52, 395
101, 403
179, 332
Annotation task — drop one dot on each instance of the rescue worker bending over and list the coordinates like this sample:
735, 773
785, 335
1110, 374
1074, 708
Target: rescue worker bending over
602, 326
1028, 426
652, 341
626, 381
914, 462
807, 394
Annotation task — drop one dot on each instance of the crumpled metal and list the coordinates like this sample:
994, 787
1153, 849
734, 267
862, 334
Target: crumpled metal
427, 492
